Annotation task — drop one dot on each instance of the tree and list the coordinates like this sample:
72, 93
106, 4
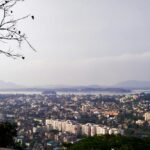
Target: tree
109, 142
7, 133
9, 31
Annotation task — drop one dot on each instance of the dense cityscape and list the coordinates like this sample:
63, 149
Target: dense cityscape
74, 75
49, 120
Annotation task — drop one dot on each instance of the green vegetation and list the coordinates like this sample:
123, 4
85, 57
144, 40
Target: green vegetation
7, 133
111, 142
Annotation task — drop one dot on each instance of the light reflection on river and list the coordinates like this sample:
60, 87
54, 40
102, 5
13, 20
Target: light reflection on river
76, 93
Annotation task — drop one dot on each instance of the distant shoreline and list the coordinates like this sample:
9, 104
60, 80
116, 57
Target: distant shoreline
13, 92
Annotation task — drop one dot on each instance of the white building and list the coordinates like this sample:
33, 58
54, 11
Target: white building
101, 130
84, 129
147, 116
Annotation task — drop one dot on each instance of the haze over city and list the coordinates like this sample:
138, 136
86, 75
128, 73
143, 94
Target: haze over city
82, 42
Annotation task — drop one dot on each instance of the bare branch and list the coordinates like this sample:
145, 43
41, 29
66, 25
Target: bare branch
10, 54
8, 28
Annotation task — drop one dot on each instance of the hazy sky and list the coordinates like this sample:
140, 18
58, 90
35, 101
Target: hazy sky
82, 42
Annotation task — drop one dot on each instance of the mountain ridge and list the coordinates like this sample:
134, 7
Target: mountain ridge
133, 84
9, 85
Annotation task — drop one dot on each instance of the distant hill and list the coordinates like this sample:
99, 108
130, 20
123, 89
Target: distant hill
9, 85
134, 84
82, 88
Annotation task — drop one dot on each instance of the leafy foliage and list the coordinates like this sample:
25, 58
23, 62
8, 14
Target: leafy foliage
7, 133
109, 142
